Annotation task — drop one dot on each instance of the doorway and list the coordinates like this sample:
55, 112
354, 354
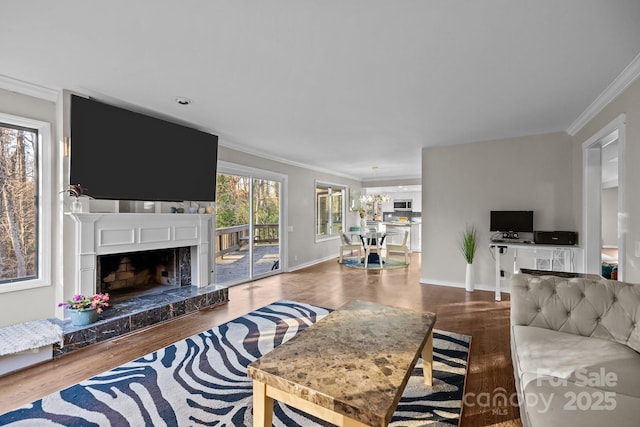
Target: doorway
604, 214
249, 225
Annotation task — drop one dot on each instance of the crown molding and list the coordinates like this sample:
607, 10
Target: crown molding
235, 146
624, 79
391, 178
227, 142
25, 88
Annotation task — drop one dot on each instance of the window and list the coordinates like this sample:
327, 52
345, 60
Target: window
24, 241
330, 208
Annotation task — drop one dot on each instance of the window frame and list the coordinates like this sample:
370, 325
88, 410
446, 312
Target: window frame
329, 185
44, 203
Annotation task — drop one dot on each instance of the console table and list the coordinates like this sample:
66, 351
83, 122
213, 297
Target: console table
568, 255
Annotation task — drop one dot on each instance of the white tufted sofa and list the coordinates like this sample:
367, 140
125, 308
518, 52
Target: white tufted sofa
574, 346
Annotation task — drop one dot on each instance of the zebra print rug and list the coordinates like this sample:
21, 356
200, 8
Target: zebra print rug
201, 381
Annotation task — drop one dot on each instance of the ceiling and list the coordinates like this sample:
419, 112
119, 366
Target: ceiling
356, 87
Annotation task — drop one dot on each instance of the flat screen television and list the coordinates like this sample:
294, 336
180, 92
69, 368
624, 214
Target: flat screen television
120, 154
516, 221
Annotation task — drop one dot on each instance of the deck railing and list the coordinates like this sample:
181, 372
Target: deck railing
230, 239
266, 233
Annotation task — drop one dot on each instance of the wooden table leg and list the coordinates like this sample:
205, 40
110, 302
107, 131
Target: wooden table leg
262, 406
427, 360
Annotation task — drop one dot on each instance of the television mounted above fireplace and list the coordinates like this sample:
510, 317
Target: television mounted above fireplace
120, 154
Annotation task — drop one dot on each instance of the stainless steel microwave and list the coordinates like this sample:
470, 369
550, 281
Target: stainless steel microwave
402, 205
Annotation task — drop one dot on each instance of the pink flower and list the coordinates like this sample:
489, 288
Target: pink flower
80, 302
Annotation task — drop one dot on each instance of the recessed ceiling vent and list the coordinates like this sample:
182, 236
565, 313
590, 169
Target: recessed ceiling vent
183, 101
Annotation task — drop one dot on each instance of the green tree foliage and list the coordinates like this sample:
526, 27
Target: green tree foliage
232, 201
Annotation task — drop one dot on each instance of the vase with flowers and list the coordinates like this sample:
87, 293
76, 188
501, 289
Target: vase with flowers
75, 191
363, 220
84, 310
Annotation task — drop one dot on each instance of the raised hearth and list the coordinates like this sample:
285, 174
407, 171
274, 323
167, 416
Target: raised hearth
139, 312
161, 264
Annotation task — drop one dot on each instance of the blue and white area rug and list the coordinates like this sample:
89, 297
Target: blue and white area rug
386, 265
202, 381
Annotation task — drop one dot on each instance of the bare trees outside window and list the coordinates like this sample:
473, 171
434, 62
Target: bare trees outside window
18, 207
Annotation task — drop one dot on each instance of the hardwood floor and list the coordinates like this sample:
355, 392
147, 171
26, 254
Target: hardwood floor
329, 284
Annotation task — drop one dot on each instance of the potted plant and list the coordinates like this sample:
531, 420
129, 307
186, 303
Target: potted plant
75, 191
84, 310
468, 245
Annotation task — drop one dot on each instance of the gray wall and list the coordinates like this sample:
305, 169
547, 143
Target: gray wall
303, 250
42, 302
37, 303
461, 184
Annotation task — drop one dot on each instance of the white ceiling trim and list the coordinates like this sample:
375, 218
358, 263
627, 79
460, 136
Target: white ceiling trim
29, 89
628, 76
234, 146
390, 178
267, 156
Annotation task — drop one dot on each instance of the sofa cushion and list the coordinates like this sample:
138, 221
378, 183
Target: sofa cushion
346, 240
604, 309
598, 363
549, 403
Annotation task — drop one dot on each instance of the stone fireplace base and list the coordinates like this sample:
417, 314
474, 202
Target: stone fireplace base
139, 312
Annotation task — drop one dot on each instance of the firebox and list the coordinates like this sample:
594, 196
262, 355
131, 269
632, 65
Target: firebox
125, 275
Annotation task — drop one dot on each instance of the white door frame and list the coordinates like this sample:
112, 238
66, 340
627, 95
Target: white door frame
236, 169
591, 196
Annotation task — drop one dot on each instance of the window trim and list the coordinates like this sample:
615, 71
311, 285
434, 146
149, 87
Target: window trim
344, 188
44, 201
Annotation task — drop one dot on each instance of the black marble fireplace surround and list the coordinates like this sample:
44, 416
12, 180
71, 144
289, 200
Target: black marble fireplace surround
139, 312
146, 288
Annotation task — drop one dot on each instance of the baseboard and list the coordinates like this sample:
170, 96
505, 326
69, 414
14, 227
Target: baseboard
478, 287
311, 263
13, 362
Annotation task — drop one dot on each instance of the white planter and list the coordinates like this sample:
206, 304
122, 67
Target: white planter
468, 280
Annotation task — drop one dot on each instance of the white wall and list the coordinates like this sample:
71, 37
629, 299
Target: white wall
461, 184
628, 102
610, 217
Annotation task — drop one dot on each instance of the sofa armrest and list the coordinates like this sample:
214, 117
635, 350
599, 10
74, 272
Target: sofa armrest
605, 309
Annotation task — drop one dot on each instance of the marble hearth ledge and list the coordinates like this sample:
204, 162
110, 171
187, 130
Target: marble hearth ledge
137, 313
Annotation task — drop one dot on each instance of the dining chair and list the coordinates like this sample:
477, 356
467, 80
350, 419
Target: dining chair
392, 247
348, 245
372, 243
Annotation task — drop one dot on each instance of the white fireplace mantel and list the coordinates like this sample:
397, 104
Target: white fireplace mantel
111, 233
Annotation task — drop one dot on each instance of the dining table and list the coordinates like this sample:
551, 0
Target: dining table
367, 239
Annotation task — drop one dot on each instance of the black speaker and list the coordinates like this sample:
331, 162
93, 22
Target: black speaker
555, 237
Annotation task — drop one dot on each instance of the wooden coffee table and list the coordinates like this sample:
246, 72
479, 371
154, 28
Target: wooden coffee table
350, 368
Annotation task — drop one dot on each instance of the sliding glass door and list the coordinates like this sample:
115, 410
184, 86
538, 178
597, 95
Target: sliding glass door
248, 226
266, 224
232, 229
